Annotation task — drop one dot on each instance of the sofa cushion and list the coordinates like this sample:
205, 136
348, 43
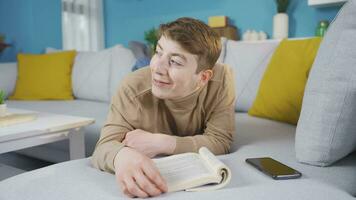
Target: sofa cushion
248, 61
327, 130
281, 90
121, 64
42, 77
223, 41
90, 75
57, 181
256, 137
8, 75
58, 151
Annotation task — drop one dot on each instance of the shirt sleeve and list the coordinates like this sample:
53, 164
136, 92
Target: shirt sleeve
121, 116
220, 127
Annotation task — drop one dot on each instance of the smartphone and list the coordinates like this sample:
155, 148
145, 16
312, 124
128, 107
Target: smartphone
273, 168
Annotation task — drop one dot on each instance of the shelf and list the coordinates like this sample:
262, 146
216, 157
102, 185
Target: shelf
324, 3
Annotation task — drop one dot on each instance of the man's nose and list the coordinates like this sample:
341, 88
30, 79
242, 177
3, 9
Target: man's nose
161, 66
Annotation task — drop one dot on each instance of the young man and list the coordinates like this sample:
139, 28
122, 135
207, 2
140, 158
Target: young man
182, 102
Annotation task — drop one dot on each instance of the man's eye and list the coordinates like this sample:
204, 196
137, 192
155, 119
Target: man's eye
173, 62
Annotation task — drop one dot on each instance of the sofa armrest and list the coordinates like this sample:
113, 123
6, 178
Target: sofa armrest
8, 75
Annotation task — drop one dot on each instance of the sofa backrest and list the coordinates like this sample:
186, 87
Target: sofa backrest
121, 64
90, 75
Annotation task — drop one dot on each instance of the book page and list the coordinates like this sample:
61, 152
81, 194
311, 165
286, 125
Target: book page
184, 171
220, 170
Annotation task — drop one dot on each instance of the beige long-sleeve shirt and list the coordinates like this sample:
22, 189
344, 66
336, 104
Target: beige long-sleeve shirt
203, 118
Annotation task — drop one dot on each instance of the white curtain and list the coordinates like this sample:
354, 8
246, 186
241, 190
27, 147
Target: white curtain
82, 25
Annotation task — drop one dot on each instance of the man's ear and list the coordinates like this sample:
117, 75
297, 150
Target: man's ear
206, 75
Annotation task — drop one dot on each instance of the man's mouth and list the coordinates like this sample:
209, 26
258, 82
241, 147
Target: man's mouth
160, 83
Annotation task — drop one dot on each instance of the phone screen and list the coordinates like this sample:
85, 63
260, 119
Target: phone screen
273, 168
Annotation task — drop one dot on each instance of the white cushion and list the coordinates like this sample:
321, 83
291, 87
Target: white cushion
122, 62
8, 75
221, 58
90, 76
248, 61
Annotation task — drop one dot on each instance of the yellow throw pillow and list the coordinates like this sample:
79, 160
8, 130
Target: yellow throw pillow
281, 89
46, 76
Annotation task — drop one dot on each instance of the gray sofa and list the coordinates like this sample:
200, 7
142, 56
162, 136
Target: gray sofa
255, 137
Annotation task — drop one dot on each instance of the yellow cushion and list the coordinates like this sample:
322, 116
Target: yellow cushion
281, 89
46, 76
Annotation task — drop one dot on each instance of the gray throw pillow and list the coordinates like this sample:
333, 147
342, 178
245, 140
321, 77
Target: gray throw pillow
326, 131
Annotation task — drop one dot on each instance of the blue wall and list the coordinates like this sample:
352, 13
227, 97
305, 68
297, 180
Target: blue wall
32, 25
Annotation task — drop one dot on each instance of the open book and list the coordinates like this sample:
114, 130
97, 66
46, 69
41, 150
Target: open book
193, 171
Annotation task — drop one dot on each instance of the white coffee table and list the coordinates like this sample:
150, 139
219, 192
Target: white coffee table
47, 128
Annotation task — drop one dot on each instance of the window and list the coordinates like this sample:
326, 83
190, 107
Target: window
82, 25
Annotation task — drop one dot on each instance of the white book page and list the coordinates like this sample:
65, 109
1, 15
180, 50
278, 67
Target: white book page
184, 171
220, 170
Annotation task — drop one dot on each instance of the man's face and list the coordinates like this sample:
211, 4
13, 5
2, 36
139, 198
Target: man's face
173, 70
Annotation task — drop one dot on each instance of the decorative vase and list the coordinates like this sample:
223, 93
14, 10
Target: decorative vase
280, 26
3, 110
321, 29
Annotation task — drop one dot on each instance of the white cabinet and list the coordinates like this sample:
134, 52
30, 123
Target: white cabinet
321, 3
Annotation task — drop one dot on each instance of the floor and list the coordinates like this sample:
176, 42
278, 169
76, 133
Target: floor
12, 164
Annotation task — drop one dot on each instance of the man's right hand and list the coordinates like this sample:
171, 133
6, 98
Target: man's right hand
137, 174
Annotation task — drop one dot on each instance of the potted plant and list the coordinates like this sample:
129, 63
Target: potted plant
151, 39
2, 104
3, 45
280, 20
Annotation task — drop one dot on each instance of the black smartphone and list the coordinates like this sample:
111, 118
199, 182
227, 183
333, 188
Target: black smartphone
273, 168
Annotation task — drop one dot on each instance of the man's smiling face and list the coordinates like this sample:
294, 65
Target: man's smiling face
173, 70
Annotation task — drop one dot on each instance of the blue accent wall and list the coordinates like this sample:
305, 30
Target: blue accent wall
128, 19
32, 25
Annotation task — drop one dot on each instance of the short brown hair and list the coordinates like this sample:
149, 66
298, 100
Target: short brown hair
195, 37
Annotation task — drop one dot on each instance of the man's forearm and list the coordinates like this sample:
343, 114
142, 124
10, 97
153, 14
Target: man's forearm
217, 143
151, 144
104, 155
167, 144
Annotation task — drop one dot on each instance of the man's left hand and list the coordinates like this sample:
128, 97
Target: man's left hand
150, 144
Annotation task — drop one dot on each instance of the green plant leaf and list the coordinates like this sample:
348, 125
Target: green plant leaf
2, 97
151, 37
282, 5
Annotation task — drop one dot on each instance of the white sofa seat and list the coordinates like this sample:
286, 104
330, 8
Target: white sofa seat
73, 180
76, 179
83, 108
79, 180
